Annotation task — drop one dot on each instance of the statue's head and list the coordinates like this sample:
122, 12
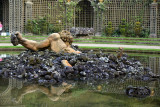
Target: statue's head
14, 39
120, 48
66, 37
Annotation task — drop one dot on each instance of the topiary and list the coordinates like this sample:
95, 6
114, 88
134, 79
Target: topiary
138, 28
109, 29
29, 26
122, 27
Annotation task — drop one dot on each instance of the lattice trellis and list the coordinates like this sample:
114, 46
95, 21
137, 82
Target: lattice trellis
5, 15
15, 13
151, 62
5, 96
1, 10
119, 9
158, 20
50, 9
154, 64
12, 15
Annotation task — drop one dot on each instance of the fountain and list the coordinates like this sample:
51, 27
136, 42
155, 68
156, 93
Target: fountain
54, 61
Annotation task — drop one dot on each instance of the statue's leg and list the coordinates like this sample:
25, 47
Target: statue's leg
66, 63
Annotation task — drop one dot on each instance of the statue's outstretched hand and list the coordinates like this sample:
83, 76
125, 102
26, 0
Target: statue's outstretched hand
14, 39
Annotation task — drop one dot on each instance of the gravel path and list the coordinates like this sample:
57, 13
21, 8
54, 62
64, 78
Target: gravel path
103, 45
118, 45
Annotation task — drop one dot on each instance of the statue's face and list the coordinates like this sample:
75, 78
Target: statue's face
66, 37
14, 39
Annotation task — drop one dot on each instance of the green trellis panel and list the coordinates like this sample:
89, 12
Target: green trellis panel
116, 10
50, 9
129, 10
158, 19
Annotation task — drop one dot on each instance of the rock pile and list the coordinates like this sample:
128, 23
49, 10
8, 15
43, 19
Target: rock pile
81, 31
140, 92
46, 67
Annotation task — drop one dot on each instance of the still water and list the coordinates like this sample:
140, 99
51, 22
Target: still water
111, 93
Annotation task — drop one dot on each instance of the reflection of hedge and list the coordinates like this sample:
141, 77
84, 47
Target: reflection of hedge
40, 26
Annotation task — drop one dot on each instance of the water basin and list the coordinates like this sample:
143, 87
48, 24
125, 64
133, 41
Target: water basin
109, 93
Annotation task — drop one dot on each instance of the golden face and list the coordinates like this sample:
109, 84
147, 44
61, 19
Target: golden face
65, 33
121, 48
66, 37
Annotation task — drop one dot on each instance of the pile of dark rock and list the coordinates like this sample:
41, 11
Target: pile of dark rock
46, 67
140, 92
81, 31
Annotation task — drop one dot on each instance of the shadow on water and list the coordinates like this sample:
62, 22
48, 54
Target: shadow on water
110, 93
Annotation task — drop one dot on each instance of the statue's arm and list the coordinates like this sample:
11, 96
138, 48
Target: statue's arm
30, 44
43, 44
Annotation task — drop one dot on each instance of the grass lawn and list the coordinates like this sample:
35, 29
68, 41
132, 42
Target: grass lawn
127, 38
97, 40
3, 47
94, 39
118, 43
138, 49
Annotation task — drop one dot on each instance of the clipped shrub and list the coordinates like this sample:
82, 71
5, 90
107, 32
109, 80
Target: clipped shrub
116, 33
144, 33
130, 29
29, 26
138, 28
35, 27
109, 29
41, 26
51, 28
56, 29
123, 27
139, 31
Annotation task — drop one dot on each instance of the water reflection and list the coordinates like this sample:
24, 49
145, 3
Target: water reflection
21, 93
77, 94
52, 92
7, 85
150, 61
13, 91
3, 56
